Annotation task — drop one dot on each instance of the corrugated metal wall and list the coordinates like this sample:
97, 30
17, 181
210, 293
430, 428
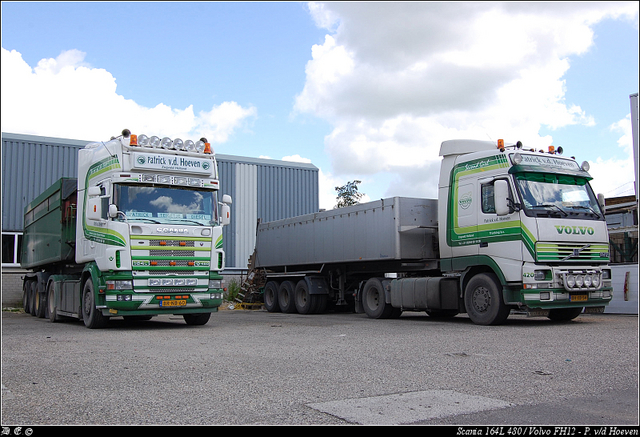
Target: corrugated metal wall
261, 188
31, 164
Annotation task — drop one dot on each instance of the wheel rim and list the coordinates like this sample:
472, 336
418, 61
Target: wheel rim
373, 298
86, 307
301, 298
481, 299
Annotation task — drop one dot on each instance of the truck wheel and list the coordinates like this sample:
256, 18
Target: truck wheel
483, 300
32, 297
91, 316
564, 314
26, 291
196, 319
51, 303
271, 297
40, 301
286, 298
373, 301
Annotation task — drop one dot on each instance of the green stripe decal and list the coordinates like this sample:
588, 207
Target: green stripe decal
100, 235
511, 230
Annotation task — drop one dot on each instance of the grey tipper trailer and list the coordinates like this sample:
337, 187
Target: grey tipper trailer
325, 259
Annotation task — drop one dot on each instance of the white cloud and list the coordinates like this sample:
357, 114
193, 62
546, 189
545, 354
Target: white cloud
66, 97
620, 164
396, 79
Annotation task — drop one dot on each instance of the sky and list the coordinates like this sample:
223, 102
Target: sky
364, 91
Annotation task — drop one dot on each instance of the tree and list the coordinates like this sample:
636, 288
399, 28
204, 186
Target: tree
348, 194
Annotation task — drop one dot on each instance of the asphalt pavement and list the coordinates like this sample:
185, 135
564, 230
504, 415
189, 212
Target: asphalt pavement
251, 367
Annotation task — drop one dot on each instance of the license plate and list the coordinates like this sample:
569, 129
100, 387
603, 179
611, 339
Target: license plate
173, 303
579, 297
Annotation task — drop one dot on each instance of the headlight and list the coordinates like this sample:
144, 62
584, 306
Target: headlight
588, 280
154, 142
571, 281
215, 283
596, 281
540, 275
120, 285
579, 280
167, 143
178, 144
143, 141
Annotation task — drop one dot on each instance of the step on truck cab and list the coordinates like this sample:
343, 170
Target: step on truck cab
137, 234
512, 229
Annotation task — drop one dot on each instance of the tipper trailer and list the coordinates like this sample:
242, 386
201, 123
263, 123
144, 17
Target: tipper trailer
512, 229
137, 234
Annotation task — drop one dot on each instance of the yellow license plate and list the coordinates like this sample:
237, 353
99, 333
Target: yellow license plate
173, 303
579, 297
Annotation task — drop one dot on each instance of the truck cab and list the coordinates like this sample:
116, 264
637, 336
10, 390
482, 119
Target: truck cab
526, 223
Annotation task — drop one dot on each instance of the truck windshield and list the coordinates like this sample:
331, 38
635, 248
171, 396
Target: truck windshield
555, 195
162, 204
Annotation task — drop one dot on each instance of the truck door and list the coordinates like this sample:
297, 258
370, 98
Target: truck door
499, 236
465, 218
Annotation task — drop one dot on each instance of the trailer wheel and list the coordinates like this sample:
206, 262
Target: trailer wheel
373, 301
51, 303
196, 319
483, 300
271, 297
307, 303
91, 316
564, 314
286, 298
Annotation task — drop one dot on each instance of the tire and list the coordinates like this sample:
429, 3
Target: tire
483, 300
51, 303
307, 303
26, 291
373, 301
271, 297
91, 316
564, 314
40, 301
196, 319
32, 297
286, 298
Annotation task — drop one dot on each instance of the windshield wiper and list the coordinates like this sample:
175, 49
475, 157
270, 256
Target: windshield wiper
187, 220
551, 205
588, 208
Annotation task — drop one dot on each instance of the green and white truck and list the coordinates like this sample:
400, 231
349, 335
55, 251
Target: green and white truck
512, 229
137, 234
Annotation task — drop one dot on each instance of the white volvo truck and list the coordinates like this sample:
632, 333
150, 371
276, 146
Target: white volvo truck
512, 229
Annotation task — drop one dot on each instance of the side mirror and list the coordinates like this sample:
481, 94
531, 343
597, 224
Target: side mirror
601, 201
93, 191
227, 199
225, 214
500, 197
113, 211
